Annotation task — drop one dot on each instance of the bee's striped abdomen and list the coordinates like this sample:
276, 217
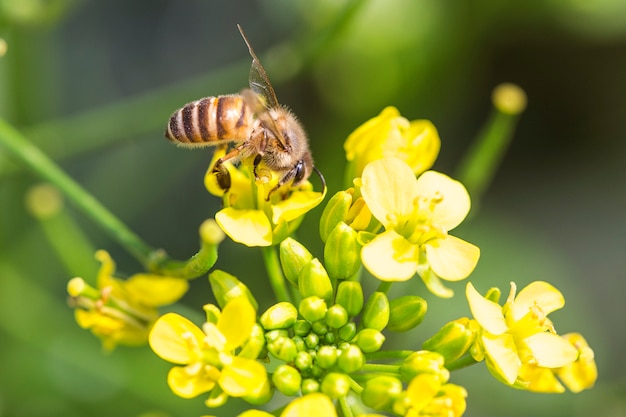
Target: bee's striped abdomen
210, 120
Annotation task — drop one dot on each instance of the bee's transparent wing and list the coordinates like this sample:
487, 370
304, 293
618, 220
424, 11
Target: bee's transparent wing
259, 82
261, 95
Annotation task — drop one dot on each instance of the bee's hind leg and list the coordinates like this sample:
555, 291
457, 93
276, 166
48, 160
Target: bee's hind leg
221, 172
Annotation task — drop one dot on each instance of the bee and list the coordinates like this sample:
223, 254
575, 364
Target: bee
260, 127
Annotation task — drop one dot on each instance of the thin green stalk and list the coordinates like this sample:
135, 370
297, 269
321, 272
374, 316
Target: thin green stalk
345, 407
355, 386
384, 287
275, 273
381, 367
478, 168
47, 169
388, 354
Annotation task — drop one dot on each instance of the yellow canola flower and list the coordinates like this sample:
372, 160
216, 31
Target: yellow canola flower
428, 396
310, 405
583, 372
417, 215
207, 356
519, 342
389, 134
248, 217
122, 311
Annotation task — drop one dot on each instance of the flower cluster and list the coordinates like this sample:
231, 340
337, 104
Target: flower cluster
323, 342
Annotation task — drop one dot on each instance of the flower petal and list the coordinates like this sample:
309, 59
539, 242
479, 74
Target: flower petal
540, 294
538, 379
311, 405
421, 146
297, 205
236, 322
486, 312
502, 357
242, 377
451, 258
455, 203
250, 227
156, 290
583, 372
422, 389
390, 257
173, 336
551, 350
389, 188
187, 384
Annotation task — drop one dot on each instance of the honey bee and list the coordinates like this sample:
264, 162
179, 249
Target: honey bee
253, 120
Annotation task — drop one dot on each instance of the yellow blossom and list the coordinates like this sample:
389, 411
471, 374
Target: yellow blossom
310, 405
122, 311
520, 344
248, 217
582, 373
427, 395
417, 215
207, 357
389, 134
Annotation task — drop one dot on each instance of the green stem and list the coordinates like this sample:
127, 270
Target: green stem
47, 169
345, 407
381, 367
388, 354
275, 273
355, 386
461, 363
478, 167
384, 287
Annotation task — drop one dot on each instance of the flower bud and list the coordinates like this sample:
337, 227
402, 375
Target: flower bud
335, 385
342, 252
350, 297
452, 340
330, 338
287, 380
350, 359
293, 258
370, 340
226, 288
335, 212
309, 386
376, 312
272, 335
299, 341
381, 391
279, 316
336, 316
313, 308
312, 340
302, 327
326, 357
359, 216
424, 362
255, 344
348, 332
406, 312
283, 348
319, 328
314, 280
303, 361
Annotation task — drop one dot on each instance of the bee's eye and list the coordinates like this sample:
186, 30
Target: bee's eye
300, 172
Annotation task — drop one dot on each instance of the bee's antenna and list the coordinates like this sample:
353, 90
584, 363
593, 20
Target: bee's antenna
319, 174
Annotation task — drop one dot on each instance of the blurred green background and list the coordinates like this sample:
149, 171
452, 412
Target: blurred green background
92, 83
